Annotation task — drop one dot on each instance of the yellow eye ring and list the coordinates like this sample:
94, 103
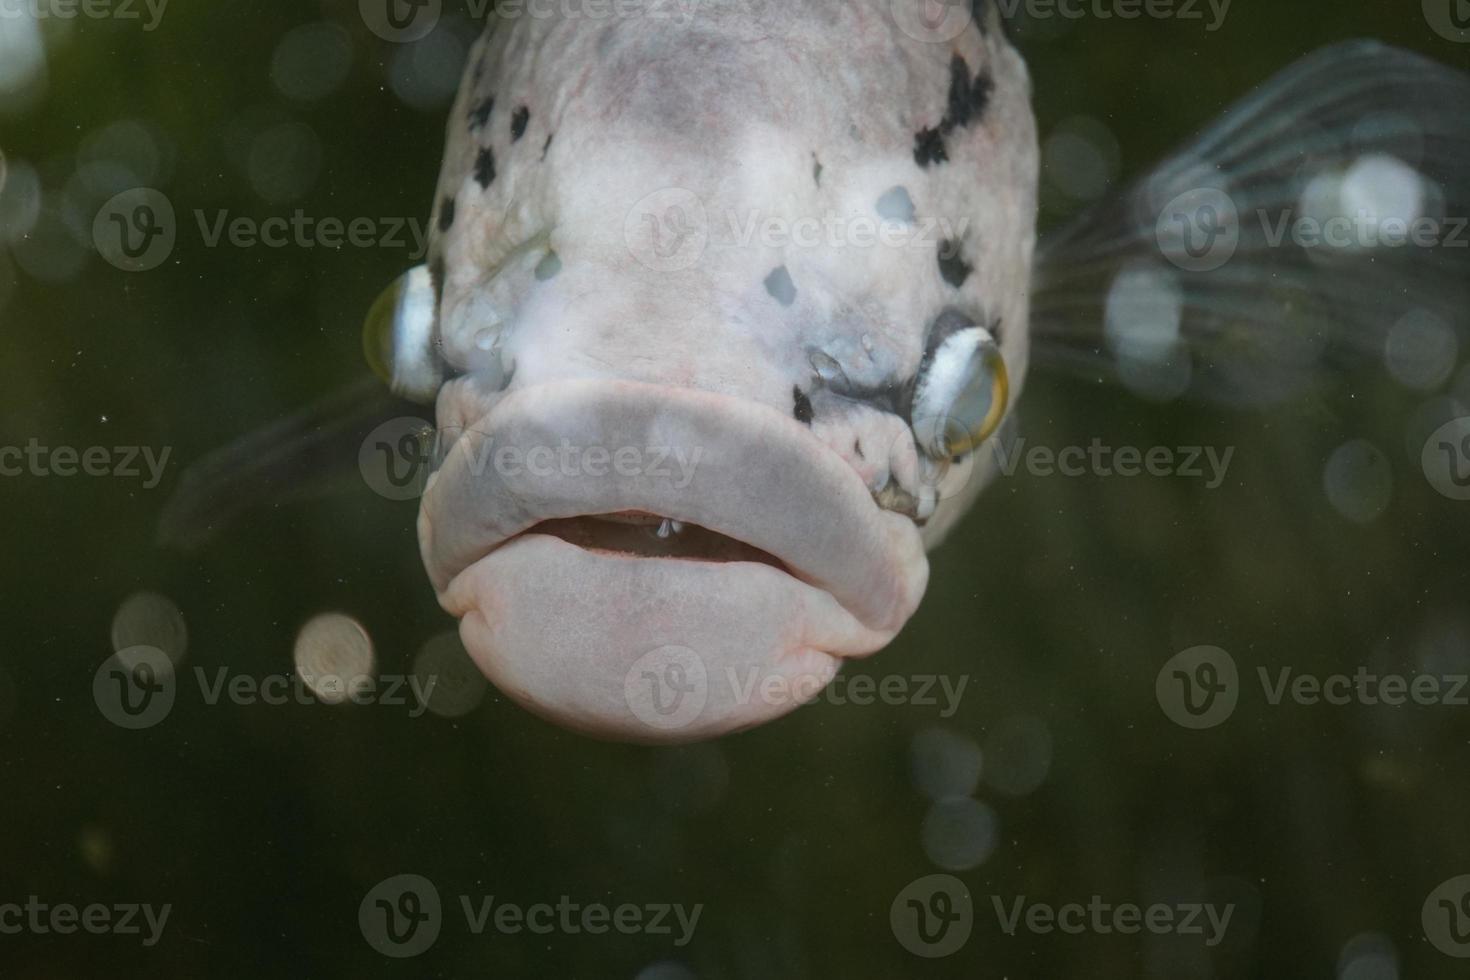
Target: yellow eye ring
962, 395
398, 337
1000, 385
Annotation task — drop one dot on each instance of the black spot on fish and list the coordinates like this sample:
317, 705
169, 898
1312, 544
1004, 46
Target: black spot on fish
803, 413
547, 147
980, 12
446, 214
952, 264
480, 114
969, 97
436, 279
929, 147
817, 169
485, 167
518, 123
857, 447
780, 286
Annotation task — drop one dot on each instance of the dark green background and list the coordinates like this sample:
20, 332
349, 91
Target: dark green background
265, 826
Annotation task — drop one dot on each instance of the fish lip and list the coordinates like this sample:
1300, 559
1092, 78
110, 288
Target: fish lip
823, 526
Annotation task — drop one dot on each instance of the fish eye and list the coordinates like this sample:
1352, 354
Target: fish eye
962, 394
398, 337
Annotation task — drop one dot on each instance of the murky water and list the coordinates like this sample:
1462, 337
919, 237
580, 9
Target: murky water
1211, 723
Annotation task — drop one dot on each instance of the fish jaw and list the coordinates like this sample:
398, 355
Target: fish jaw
643, 645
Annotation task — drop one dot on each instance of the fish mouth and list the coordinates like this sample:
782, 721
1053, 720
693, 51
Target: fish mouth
635, 535
656, 564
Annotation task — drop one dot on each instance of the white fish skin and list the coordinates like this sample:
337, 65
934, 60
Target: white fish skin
783, 360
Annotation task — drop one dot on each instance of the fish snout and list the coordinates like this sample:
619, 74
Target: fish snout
660, 564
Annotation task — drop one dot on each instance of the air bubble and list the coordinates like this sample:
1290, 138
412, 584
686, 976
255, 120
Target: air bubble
152, 620
311, 61
285, 161
334, 657
446, 679
1081, 158
944, 763
1421, 351
1358, 481
1368, 956
1018, 756
959, 834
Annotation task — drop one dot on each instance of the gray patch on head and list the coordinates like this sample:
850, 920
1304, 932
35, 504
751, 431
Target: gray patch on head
897, 205
781, 287
549, 267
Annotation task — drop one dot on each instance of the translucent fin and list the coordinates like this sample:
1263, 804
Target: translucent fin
1204, 278
310, 453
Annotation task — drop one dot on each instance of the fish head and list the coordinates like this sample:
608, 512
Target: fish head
721, 307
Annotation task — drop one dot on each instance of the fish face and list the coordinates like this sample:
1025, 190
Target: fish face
722, 302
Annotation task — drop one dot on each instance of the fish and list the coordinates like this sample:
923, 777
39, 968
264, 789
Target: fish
723, 316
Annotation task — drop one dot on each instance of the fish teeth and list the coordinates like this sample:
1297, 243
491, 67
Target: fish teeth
669, 528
